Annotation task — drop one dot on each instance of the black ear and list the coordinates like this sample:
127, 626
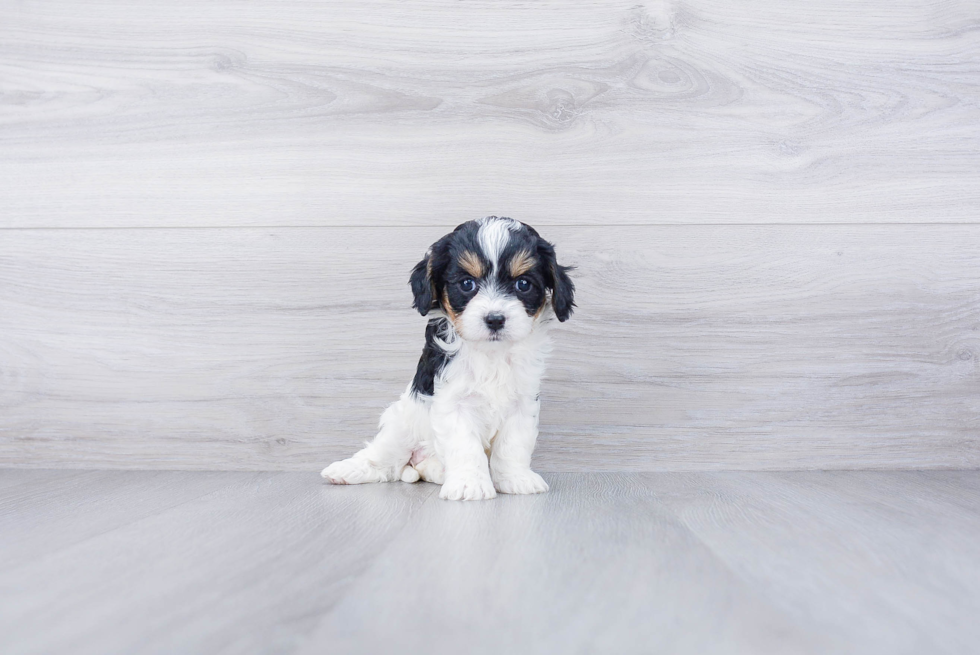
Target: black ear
422, 287
426, 278
556, 277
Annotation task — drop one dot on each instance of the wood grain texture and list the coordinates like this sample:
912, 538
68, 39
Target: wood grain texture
144, 114
894, 550
856, 562
53, 510
694, 347
594, 566
721, 562
249, 567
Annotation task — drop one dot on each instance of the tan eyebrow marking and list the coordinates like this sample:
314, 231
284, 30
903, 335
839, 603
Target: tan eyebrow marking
471, 263
521, 263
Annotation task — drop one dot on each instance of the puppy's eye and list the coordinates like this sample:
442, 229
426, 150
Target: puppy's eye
467, 285
523, 285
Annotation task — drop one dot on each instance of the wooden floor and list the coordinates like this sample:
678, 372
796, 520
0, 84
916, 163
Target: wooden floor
754, 562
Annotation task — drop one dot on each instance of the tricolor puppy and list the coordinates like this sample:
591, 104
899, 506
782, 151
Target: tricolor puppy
468, 421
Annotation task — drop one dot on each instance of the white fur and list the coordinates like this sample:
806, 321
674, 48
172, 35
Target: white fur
494, 234
472, 324
485, 401
475, 435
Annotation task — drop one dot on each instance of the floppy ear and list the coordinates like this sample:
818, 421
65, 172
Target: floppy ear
556, 276
422, 287
426, 278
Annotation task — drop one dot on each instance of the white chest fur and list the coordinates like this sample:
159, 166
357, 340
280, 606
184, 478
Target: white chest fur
494, 379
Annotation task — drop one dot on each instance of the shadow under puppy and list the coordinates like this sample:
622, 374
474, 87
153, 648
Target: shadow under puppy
469, 420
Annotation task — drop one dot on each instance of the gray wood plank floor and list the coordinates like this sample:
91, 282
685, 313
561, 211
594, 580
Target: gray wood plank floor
725, 562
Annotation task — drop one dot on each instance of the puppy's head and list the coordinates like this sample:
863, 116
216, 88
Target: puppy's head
493, 278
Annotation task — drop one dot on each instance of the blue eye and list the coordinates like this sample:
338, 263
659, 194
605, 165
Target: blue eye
467, 285
523, 285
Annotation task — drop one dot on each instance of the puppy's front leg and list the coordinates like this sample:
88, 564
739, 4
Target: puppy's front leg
460, 447
510, 460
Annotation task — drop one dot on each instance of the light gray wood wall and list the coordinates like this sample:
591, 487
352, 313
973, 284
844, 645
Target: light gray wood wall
209, 212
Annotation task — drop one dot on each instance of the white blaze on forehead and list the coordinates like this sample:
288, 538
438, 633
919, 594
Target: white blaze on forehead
493, 236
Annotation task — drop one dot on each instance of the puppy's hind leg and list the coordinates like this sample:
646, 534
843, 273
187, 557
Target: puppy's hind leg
431, 469
385, 458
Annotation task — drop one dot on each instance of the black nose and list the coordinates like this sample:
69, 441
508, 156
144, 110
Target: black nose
495, 322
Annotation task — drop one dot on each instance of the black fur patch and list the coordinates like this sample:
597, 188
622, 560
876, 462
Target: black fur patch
465, 239
440, 281
522, 240
433, 358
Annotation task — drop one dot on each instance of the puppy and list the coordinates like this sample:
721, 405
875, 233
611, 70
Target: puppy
468, 421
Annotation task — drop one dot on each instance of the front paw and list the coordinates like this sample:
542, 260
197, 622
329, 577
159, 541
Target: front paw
352, 471
468, 486
520, 482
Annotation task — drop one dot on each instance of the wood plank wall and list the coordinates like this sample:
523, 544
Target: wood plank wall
208, 213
